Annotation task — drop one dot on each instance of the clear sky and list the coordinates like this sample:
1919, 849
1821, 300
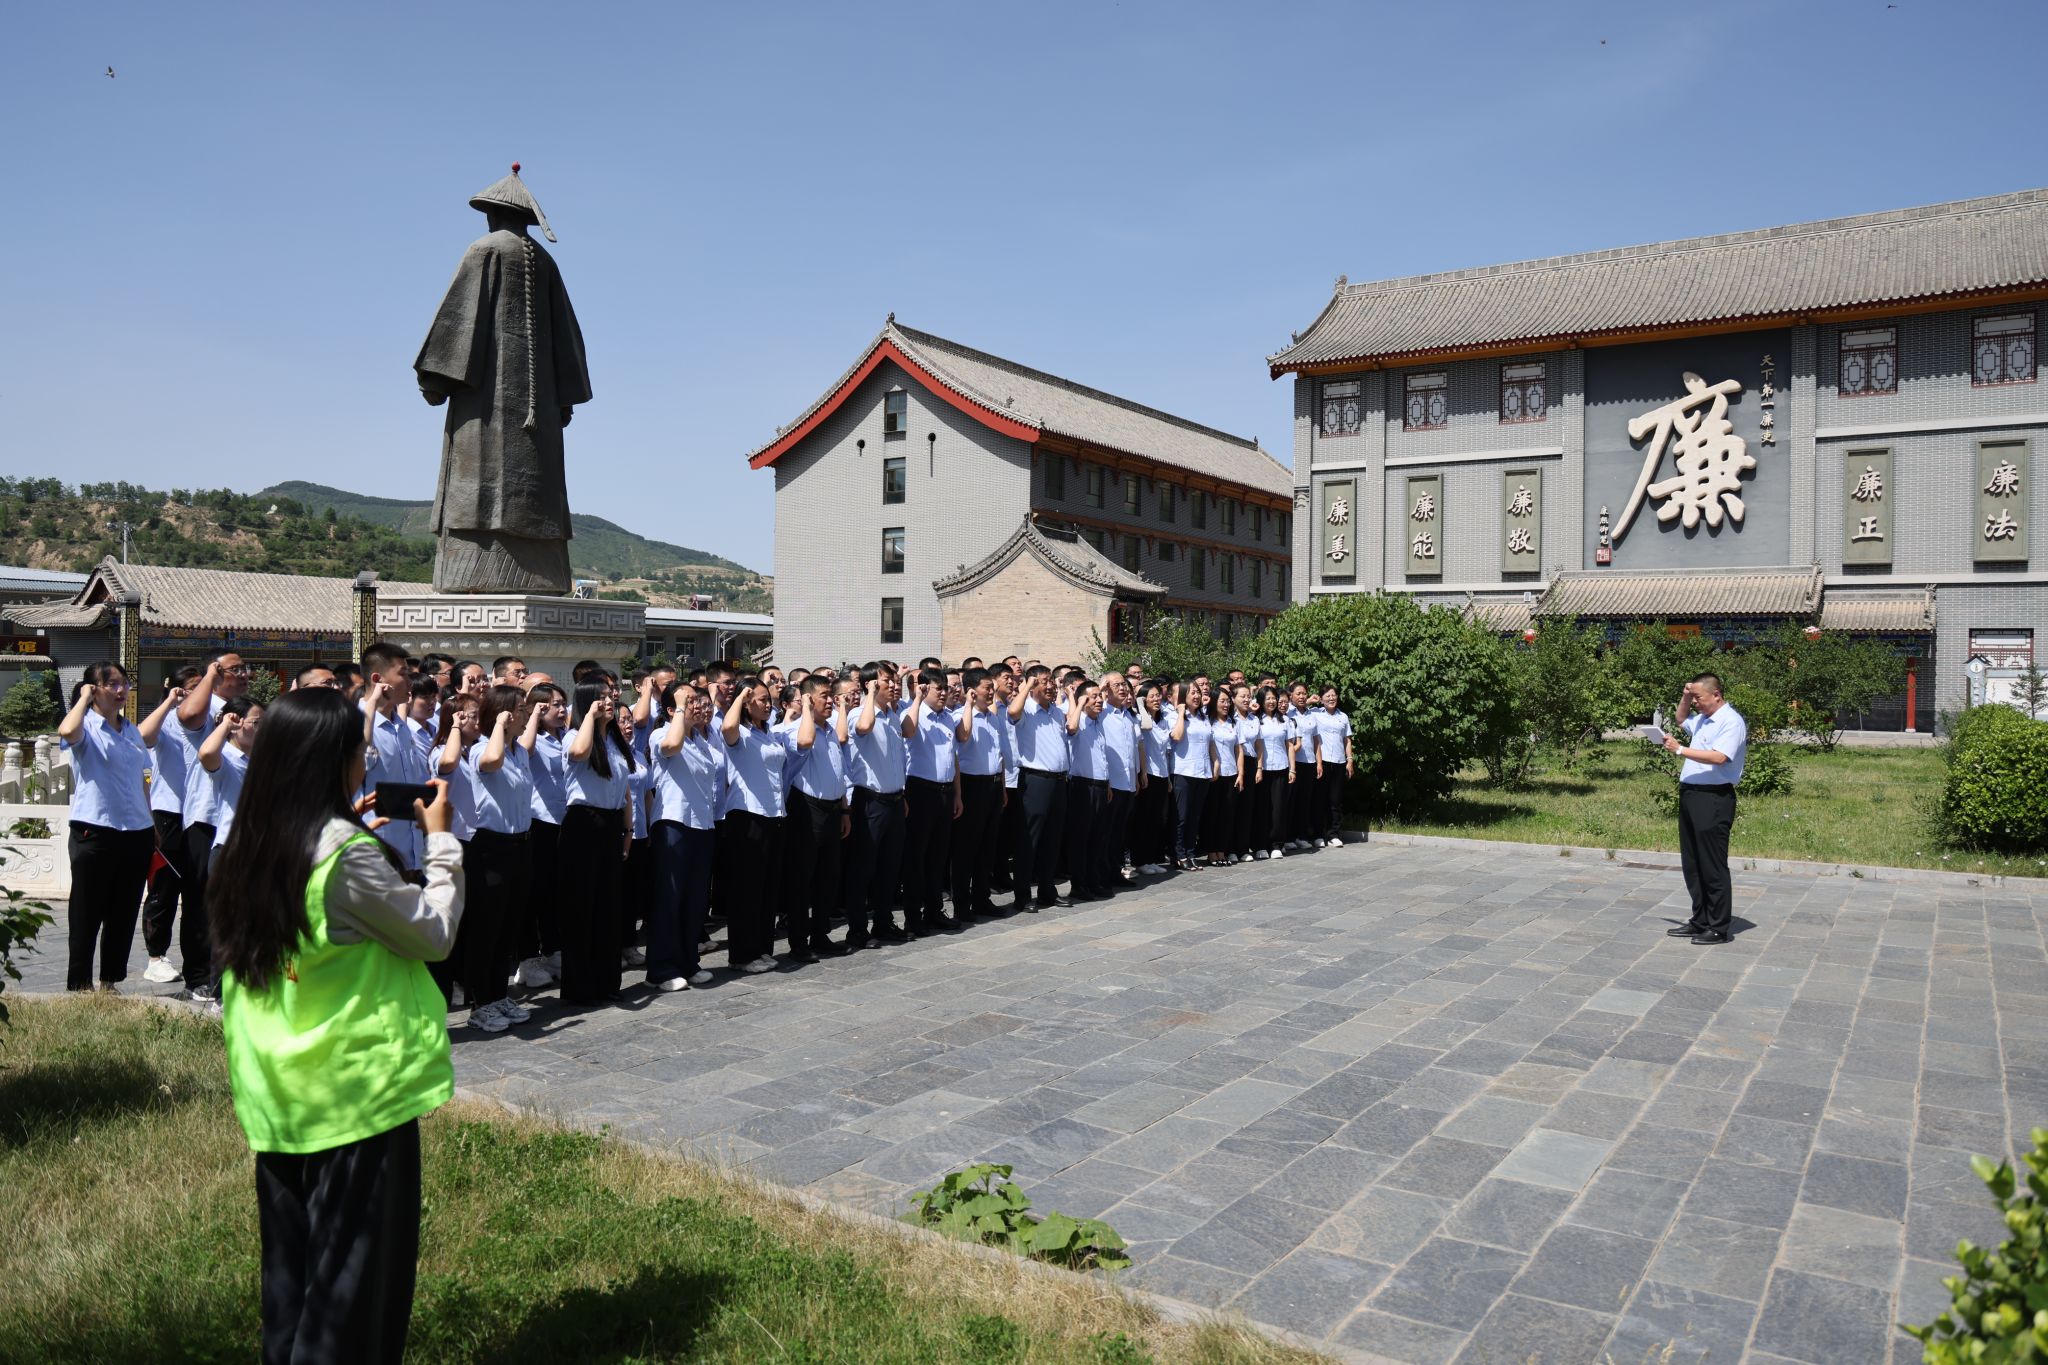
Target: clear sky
221, 262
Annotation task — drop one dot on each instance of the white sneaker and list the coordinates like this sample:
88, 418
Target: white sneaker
160, 970
512, 1010
634, 957
456, 999
700, 977
1244, 857
1152, 870
1279, 853
535, 972
1333, 843
486, 1019
1262, 855
760, 965
674, 983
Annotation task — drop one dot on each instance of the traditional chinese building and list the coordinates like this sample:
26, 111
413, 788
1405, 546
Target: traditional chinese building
1830, 423
910, 475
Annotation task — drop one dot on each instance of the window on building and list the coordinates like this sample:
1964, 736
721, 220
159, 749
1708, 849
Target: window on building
2003, 648
1227, 579
1279, 584
895, 412
1258, 578
892, 549
1131, 494
1226, 515
1343, 408
1198, 508
1258, 522
1134, 548
1523, 394
1163, 551
1056, 477
894, 479
1428, 402
892, 620
1095, 480
1869, 361
2003, 350
1280, 527
1166, 492
1198, 567
1092, 536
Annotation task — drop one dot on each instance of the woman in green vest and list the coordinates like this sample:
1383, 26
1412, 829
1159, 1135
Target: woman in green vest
337, 1037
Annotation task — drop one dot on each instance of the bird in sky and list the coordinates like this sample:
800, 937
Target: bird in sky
110, 73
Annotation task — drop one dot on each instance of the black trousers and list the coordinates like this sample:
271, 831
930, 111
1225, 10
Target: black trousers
1302, 820
1087, 829
1705, 815
592, 860
108, 869
682, 898
1270, 825
636, 888
160, 905
1190, 797
810, 886
1011, 842
1244, 809
1044, 796
199, 857
927, 849
1219, 815
754, 871
1151, 823
1116, 834
975, 842
498, 869
341, 1241
1333, 800
540, 933
876, 863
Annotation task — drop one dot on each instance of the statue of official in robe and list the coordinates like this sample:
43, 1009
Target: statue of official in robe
506, 357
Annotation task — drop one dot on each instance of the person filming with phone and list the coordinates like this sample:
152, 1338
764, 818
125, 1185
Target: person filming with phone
1718, 741
337, 1037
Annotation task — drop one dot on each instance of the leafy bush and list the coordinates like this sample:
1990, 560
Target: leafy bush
1998, 1312
31, 707
1997, 790
981, 1204
21, 919
1651, 666
1427, 691
1829, 681
264, 685
1173, 648
1566, 688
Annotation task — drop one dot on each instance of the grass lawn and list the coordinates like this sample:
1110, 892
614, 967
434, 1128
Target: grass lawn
128, 1199
1850, 806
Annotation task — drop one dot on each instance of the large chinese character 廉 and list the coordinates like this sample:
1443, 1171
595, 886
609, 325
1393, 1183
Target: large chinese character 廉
1710, 457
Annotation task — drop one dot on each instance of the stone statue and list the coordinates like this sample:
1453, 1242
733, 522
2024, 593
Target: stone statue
506, 356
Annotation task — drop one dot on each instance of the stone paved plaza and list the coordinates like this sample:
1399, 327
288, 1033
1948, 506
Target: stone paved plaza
1433, 1103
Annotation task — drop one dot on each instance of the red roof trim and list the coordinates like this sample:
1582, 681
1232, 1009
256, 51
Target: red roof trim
889, 350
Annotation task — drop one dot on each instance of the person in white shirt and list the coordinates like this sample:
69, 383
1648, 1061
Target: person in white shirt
1333, 741
1714, 756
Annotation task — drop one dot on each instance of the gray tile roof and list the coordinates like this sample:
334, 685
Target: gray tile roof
1062, 551
1684, 593
1905, 611
1048, 403
1969, 245
57, 616
1501, 615
205, 599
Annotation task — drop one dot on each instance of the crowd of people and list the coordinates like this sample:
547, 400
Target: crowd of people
609, 824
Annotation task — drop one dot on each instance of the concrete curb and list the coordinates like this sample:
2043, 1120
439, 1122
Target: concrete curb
1661, 860
1179, 1312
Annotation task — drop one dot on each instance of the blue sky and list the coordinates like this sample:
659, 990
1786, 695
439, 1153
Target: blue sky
221, 262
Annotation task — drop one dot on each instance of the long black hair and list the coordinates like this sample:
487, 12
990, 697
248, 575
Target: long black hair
589, 694
295, 787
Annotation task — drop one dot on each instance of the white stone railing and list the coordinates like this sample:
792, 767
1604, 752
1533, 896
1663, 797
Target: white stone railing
35, 772
39, 866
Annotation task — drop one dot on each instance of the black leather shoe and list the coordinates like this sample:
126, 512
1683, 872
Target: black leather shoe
889, 933
1062, 903
1685, 930
1707, 937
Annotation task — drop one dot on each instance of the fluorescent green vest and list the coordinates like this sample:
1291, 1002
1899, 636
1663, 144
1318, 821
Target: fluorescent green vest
349, 1041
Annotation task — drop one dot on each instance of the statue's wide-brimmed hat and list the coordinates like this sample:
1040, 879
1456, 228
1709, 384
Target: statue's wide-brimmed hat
511, 193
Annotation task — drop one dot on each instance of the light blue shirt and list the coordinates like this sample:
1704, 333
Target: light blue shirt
1331, 732
638, 783
1120, 748
1158, 747
1307, 724
754, 766
550, 773
503, 799
227, 791
1191, 756
1725, 732
461, 795
1223, 734
1088, 755
983, 753
1041, 735
1007, 734
1246, 737
689, 787
395, 756
107, 765
1274, 732
822, 771
879, 759
586, 786
172, 760
932, 755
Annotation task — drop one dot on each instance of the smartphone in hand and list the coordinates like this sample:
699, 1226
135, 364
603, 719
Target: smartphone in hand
394, 799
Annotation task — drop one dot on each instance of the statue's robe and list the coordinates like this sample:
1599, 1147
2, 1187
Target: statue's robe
506, 353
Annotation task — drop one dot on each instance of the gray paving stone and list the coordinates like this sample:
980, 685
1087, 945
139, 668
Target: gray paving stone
1446, 1167
1404, 1339
1250, 1234
1716, 1256
1525, 1329
1168, 1144
1240, 1102
1744, 1194
1593, 1114
1877, 1188
1564, 1161
1493, 1119
1766, 1142
1614, 1000
1630, 1202
1692, 1326
1843, 1246
1508, 1213
1779, 1100
1810, 1318
1587, 1267
1314, 1291
1382, 1225
1449, 1283
1388, 1127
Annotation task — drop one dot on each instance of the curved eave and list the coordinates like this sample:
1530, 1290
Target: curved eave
1611, 336
886, 349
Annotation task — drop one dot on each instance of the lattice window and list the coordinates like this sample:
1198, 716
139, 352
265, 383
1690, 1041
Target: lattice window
2002, 350
1428, 405
1524, 396
1869, 361
1343, 408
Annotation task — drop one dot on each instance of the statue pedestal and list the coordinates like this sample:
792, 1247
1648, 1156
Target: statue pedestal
549, 633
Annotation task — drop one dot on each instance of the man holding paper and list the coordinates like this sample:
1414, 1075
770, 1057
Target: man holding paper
1719, 739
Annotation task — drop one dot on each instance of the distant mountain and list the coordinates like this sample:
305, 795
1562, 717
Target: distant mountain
600, 547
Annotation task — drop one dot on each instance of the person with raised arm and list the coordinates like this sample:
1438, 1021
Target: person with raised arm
592, 856
818, 820
1039, 720
498, 858
689, 790
757, 757
112, 831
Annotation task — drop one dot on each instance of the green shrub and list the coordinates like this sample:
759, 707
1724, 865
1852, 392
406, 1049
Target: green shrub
1998, 1312
31, 707
1427, 691
1997, 790
1173, 648
1566, 688
981, 1204
1651, 667
1828, 682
